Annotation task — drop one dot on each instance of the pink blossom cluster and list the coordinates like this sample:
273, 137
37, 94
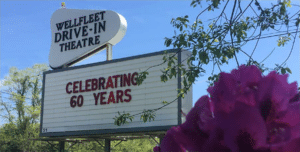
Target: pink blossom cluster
246, 112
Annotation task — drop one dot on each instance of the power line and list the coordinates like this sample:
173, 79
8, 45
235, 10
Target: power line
262, 37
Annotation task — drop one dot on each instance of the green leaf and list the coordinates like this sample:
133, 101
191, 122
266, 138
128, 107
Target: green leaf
168, 42
173, 71
288, 70
165, 102
203, 57
288, 4
163, 78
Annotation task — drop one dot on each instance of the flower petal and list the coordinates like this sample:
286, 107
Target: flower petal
248, 76
292, 146
223, 93
178, 139
156, 149
171, 141
275, 88
292, 119
244, 119
200, 115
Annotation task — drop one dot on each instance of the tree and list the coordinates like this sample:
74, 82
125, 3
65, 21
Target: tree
132, 145
226, 36
23, 85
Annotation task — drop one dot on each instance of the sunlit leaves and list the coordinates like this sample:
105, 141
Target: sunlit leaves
285, 70
222, 38
212, 79
165, 102
203, 56
180, 22
283, 40
123, 118
210, 43
23, 110
148, 115
215, 3
168, 42
141, 77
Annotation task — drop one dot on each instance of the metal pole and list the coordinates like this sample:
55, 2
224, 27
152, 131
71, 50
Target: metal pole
108, 52
107, 145
61, 146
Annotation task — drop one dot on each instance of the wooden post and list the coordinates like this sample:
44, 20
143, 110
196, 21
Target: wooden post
107, 145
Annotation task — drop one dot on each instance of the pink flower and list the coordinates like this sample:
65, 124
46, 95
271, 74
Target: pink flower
224, 92
274, 88
282, 117
243, 123
246, 112
200, 116
156, 149
292, 146
247, 78
240, 85
191, 134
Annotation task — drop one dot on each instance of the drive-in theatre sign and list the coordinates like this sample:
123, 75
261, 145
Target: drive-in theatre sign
77, 34
83, 100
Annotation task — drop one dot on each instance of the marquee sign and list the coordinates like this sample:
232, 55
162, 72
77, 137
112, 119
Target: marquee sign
85, 99
77, 34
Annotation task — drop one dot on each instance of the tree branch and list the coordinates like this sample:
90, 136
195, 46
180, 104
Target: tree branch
291, 48
267, 56
259, 35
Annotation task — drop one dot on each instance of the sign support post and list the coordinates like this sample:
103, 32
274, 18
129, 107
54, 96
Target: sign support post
107, 145
108, 52
108, 58
61, 146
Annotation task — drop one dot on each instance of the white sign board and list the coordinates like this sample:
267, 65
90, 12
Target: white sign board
82, 99
77, 34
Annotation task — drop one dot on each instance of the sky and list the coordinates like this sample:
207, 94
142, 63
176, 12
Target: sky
26, 35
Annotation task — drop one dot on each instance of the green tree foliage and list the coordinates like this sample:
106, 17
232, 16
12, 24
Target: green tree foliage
132, 145
22, 109
223, 38
14, 139
136, 145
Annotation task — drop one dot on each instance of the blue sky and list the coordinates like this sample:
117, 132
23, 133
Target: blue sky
26, 35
